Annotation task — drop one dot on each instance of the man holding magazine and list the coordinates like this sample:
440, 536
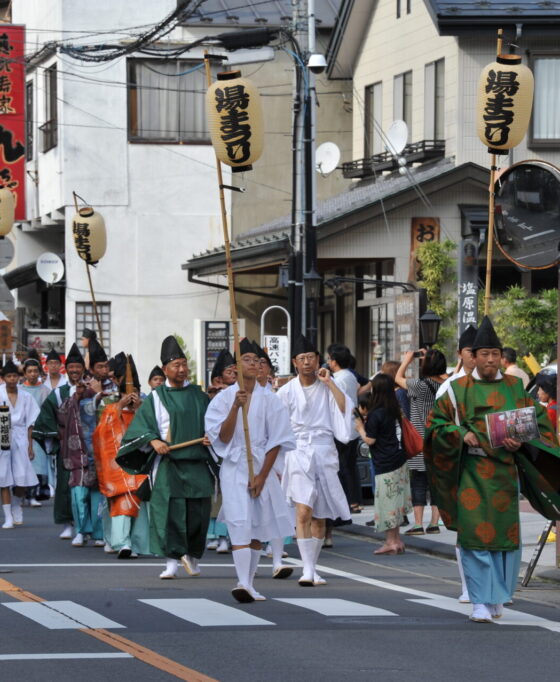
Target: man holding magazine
476, 486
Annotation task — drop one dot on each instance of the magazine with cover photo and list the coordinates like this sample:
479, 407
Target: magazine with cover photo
520, 424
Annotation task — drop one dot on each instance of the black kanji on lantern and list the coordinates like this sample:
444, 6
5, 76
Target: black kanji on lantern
498, 111
231, 103
81, 239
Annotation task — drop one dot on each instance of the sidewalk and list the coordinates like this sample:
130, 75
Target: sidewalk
443, 543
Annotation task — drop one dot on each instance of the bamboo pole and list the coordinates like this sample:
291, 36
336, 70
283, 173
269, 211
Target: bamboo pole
93, 301
186, 444
491, 206
231, 290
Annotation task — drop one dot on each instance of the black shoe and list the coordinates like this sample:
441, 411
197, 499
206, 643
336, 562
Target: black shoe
405, 522
370, 523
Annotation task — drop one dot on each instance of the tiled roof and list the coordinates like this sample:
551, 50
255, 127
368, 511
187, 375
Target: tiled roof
258, 13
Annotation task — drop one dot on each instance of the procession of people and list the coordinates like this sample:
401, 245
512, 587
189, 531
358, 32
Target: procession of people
254, 461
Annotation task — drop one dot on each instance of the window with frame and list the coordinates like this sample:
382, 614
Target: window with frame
166, 101
29, 121
434, 100
402, 98
408, 6
398, 9
545, 126
373, 143
49, 128
85, 317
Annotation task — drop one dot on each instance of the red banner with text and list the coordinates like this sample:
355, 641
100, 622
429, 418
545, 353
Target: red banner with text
12, 113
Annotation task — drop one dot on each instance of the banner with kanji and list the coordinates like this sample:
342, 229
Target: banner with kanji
12, 113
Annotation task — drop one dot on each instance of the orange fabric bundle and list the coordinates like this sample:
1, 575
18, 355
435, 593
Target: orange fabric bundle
118, 486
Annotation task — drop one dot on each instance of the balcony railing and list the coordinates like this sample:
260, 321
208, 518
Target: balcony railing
49, 134
417, 152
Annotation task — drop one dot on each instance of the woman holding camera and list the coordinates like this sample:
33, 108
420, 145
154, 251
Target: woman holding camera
382, 432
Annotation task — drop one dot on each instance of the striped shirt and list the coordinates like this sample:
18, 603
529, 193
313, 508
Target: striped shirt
422, 394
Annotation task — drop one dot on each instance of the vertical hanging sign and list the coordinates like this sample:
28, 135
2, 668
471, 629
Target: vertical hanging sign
12, 114
468, 284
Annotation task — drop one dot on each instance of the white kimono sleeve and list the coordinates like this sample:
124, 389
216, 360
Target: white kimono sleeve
341, 421
278, 428
31, 409
214, 418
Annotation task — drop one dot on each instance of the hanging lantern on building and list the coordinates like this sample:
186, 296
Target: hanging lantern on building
7, 211
90, 236
505, 100
235, 120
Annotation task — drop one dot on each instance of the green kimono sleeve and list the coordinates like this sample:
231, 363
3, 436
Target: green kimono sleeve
136, 455
443, 448
46, 425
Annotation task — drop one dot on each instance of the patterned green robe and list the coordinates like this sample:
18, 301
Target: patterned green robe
478, 495
183, 485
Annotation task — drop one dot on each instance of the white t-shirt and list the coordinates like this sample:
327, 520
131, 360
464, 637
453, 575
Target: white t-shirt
349, 385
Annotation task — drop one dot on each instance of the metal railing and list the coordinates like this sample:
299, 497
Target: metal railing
49, 135
416, 152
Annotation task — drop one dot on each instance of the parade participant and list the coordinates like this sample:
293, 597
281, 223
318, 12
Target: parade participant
127, 532
101, 383
16, 469
476, 486
181, 481
41, 463
256, 510
156, 378
54, 377
546, 393
510, 366
224, 374
46, 433
87, 336
319, 412
466, 362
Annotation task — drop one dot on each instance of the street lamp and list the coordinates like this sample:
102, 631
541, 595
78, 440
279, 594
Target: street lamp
429, 328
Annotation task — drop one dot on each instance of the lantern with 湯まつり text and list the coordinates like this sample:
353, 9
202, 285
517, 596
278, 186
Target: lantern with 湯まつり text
505, 100
235, 120
7, 211
90, 237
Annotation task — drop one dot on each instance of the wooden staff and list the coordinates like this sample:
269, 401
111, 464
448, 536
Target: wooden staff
232, 305
94, 302
186, 444
491, 203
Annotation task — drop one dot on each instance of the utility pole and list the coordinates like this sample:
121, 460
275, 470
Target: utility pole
296, 296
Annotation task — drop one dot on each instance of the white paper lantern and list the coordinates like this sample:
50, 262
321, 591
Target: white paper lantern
90, 236
7, 211
235, 120
505, 100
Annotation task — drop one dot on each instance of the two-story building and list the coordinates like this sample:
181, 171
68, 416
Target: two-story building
418, 62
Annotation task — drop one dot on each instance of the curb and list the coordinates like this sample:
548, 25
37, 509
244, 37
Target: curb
426, 545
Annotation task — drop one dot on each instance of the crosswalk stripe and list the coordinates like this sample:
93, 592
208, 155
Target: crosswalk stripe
338, 607
59, 657
205, 612
62, 615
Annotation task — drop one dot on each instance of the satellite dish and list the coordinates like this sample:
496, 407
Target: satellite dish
327, 157
50, 267
397, 137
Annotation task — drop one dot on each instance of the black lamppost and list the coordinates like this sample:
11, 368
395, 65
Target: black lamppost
312, 282
429, 328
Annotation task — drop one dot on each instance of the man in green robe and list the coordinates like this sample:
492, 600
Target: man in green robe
46, 433
475, 486
181, 482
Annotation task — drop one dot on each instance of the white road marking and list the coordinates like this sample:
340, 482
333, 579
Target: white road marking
42, 657
116, 564
205, 612
62, 615
510, 617
338, 607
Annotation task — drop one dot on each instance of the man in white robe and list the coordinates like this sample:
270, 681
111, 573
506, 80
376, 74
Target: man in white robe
253, 511
16, 455
319, 412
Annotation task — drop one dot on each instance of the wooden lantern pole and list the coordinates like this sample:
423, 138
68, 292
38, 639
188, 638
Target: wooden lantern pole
491, 204
232, 304
94, 302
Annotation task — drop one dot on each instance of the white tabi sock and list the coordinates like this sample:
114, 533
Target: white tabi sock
318, 545
17, 510
8, 518
306, 548
242, 562
277, 546
464, 598
255, 556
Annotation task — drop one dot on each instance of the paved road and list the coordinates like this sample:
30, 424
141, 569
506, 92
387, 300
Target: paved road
78, 614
